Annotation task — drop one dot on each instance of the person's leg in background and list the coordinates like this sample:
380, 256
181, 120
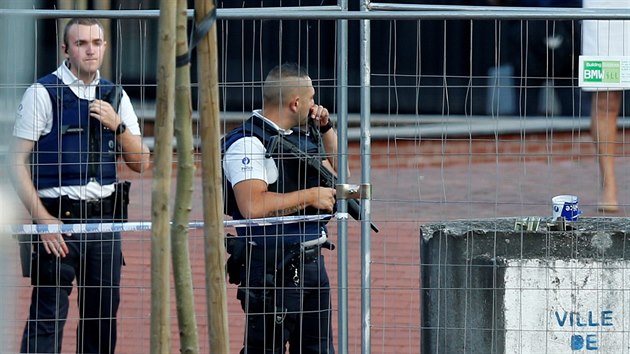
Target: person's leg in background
606, 38
604, 112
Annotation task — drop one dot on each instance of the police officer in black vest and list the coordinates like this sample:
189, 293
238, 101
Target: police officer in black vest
72, 127
283, 285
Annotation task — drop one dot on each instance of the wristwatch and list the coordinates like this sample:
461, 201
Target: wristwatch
120, 129
323, 129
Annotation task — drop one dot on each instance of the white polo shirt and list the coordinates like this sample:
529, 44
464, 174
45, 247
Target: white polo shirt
35, 118
245, 158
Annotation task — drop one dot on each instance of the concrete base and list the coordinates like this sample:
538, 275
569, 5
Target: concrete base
487, 288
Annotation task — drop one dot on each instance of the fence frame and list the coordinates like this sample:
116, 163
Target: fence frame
368, 11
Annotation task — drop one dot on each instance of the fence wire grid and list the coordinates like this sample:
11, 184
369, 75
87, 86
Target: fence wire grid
470, 119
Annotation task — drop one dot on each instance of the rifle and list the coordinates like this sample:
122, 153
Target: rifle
278, 142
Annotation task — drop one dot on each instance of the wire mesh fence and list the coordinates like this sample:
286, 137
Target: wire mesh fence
476, 122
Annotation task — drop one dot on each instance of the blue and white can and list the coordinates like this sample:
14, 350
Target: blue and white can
566, 206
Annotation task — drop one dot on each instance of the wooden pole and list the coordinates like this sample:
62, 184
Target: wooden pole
163, 160
212, 182
187, 324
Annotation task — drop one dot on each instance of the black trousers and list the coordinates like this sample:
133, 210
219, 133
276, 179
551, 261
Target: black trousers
290, 306
95, 261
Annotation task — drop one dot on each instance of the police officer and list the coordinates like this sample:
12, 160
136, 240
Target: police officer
284, 288
71, 128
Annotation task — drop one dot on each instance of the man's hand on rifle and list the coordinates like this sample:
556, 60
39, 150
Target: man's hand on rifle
323, 198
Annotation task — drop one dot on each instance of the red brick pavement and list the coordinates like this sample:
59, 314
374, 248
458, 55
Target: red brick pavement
414, 182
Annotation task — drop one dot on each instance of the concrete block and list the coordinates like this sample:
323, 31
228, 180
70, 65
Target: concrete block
488, 288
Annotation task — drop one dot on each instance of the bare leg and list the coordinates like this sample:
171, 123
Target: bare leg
604, 114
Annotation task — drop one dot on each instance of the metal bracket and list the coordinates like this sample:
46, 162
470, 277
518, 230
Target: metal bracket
354, 191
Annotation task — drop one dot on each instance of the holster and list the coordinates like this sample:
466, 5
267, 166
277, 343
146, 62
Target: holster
25, 244
236, 248
241, 252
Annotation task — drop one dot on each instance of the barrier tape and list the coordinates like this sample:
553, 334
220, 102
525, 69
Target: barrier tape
36, 229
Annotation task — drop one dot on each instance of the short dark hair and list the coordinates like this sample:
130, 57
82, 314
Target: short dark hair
274, 82
80, 21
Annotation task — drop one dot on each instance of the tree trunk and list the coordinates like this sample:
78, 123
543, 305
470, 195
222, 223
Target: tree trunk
211, 183
163, 159
187, 323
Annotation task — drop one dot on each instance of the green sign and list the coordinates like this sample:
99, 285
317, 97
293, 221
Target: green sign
600, 71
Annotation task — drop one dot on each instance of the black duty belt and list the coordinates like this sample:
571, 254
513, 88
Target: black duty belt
291, 254
112, 208
243, 252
